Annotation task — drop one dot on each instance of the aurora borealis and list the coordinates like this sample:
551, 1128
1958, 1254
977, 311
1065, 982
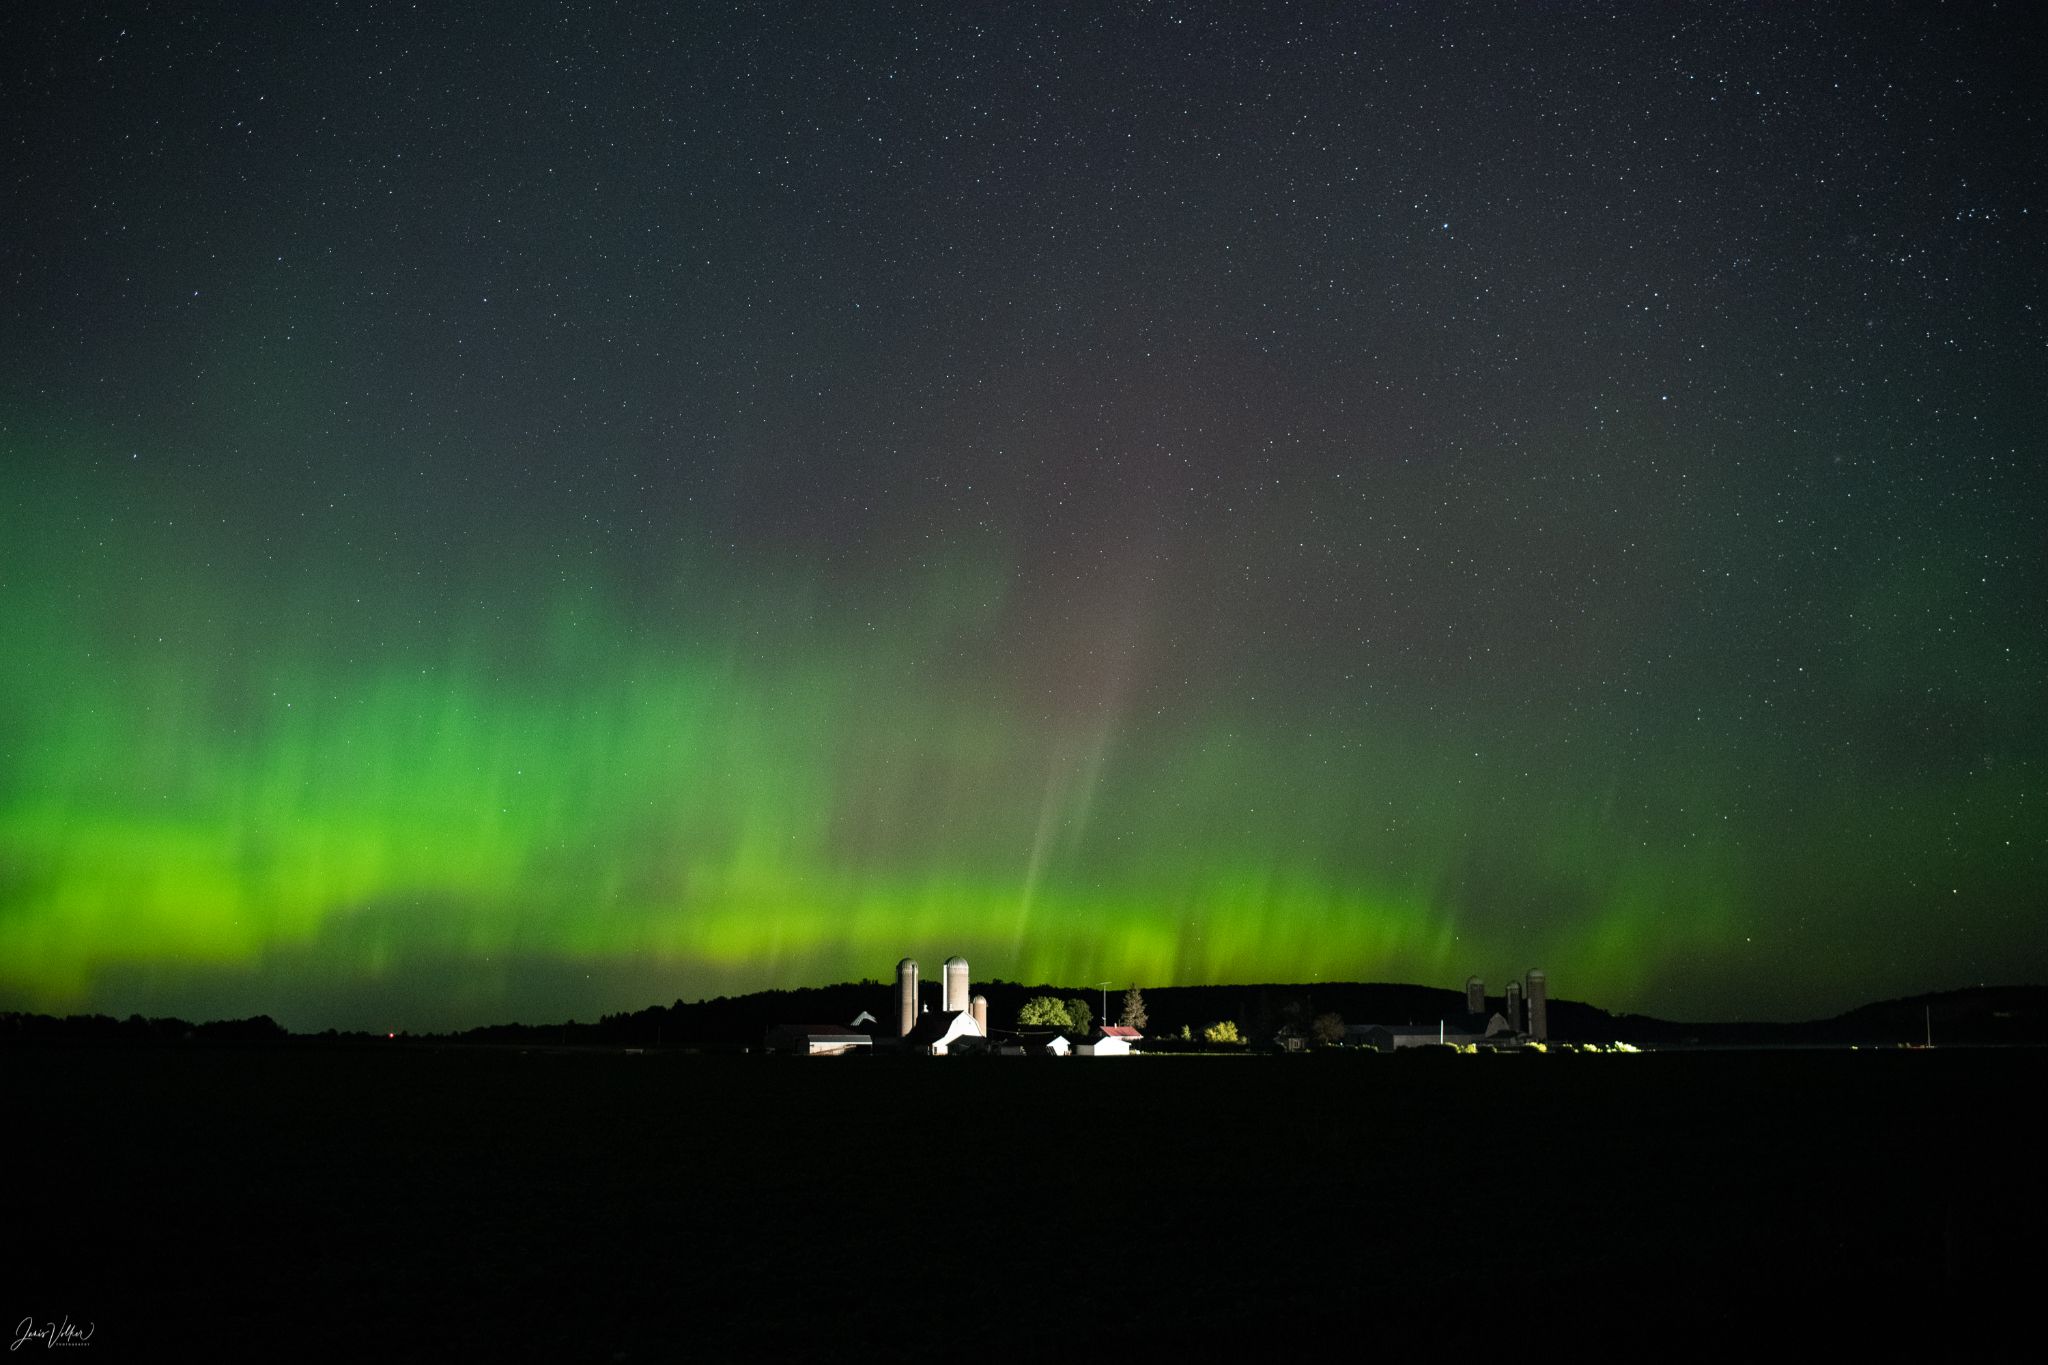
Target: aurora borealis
507, 516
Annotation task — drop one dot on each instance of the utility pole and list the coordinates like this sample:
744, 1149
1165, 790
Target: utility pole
1103, 986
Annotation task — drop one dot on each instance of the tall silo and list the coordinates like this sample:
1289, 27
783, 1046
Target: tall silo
980, 1008
1538, 987
906, 996
956, 985
1475, 995
1514, 1009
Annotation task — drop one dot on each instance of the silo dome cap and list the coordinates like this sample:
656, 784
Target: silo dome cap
908, 964
956, 962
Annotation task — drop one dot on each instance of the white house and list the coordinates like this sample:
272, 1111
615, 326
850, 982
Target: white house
1059, 1046
1114, 1040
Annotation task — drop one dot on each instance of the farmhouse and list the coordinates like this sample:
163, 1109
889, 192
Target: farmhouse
1113, 1040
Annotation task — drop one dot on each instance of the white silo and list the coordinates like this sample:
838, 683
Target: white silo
955, 990
906, 996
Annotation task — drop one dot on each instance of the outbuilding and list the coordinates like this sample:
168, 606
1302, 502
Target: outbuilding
816, 1040
1461, 1030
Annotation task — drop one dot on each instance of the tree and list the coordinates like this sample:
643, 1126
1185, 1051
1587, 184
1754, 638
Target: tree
1043, 1011
1134, 1008
1222, 1032
1081, 1016
1328, 1029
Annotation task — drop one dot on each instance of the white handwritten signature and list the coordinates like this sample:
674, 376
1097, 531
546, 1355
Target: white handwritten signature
66, 1333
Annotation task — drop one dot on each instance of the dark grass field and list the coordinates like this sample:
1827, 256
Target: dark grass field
409, 1202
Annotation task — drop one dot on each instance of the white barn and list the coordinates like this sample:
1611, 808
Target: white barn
946, 1031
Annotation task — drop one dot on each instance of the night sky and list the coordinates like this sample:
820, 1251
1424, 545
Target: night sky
511, 512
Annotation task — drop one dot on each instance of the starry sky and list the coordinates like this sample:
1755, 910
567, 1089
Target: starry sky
516, 512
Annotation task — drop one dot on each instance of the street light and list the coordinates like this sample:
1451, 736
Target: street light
1103, 986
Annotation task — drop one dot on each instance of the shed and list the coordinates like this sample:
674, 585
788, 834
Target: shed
816, 1040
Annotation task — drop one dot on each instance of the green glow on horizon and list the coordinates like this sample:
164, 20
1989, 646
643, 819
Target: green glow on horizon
734, 787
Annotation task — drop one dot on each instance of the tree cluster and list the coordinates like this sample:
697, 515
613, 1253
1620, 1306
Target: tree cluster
1047, 1011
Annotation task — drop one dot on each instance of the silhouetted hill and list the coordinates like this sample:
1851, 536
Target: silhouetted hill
1975, 1016
101, 1028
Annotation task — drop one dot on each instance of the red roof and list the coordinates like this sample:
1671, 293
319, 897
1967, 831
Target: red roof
1119, 1031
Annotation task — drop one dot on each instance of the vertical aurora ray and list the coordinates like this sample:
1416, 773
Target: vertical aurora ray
749, 794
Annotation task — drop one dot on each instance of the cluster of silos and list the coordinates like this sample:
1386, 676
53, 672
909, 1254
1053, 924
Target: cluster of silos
1528, 1003
953, 995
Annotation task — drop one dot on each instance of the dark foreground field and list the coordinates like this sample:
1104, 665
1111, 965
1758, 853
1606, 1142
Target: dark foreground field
290, 1202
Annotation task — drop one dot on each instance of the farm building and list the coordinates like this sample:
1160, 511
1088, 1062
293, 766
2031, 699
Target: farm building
1114, 1040
1458, 1030
816, 1040
945, 1031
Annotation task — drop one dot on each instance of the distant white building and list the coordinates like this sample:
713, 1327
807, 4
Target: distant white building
1114, 1040
1458, 1031
1059, 1046
816, 1040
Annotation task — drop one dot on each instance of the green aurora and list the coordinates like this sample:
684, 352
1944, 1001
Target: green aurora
470, 801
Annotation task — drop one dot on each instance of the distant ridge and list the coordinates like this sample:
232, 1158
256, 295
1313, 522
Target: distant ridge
1977, 1015
1973, 1016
